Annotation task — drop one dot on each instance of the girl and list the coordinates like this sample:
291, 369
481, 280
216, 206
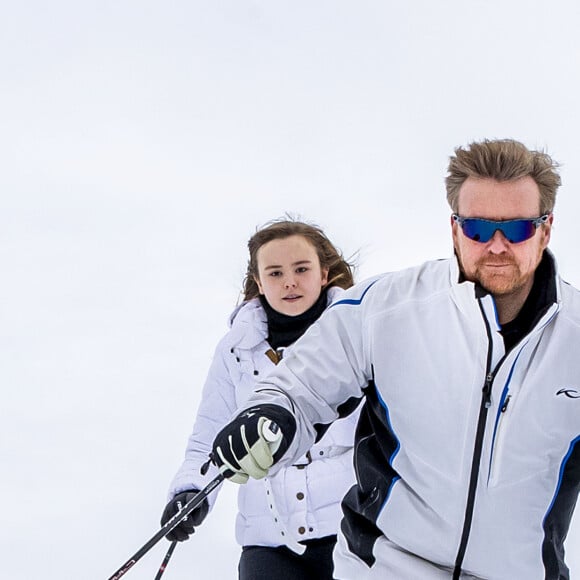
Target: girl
287, 523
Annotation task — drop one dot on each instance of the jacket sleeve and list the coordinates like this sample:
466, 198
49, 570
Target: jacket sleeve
215, 409
322, 377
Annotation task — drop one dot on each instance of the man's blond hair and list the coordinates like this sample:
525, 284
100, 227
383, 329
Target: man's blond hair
502, 160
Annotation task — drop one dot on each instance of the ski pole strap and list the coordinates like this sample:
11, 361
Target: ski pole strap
171, 523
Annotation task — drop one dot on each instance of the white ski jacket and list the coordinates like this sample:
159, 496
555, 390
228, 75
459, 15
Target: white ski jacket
467, 458
300, 502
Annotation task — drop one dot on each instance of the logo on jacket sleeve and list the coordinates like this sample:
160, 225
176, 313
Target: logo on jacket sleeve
570, 393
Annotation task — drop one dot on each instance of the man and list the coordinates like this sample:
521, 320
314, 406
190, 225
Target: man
467, 453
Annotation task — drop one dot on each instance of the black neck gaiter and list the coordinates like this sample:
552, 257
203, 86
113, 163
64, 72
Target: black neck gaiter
542, 295
283, 330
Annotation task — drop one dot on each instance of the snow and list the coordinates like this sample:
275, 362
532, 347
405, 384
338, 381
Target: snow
142, 143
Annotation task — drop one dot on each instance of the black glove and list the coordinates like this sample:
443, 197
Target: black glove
185, 528
250, 444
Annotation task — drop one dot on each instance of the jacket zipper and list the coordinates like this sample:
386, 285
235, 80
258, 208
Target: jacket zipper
477, 450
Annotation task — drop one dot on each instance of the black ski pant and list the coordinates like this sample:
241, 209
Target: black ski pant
262, 563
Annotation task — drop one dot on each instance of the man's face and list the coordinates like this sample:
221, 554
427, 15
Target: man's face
501, 267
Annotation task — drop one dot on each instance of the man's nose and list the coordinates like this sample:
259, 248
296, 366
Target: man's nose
498, 243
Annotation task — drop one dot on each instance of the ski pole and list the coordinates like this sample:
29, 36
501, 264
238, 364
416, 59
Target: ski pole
166, 560
171, 523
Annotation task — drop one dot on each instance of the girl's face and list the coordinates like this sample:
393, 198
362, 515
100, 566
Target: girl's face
289, 274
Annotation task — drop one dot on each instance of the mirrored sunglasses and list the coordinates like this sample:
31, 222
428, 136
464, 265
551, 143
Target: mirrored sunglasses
515, 231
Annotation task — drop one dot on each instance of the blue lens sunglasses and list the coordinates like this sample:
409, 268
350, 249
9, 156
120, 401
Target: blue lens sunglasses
515, 231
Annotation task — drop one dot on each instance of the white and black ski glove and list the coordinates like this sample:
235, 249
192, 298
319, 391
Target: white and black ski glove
252, 442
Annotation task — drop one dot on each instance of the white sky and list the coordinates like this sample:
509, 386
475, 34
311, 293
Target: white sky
141, 144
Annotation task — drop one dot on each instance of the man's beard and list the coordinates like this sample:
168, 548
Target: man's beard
504, 281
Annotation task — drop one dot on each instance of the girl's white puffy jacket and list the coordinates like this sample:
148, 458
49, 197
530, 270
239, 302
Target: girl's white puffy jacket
304, 497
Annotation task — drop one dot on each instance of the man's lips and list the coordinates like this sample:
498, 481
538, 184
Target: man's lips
497, 264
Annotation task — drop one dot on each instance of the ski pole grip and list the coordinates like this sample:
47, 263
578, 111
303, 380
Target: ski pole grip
271, 432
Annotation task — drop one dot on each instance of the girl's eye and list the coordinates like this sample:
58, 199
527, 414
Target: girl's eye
302, 269
275, 273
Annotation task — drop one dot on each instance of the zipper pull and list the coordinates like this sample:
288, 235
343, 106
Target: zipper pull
487, 390
506, 403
